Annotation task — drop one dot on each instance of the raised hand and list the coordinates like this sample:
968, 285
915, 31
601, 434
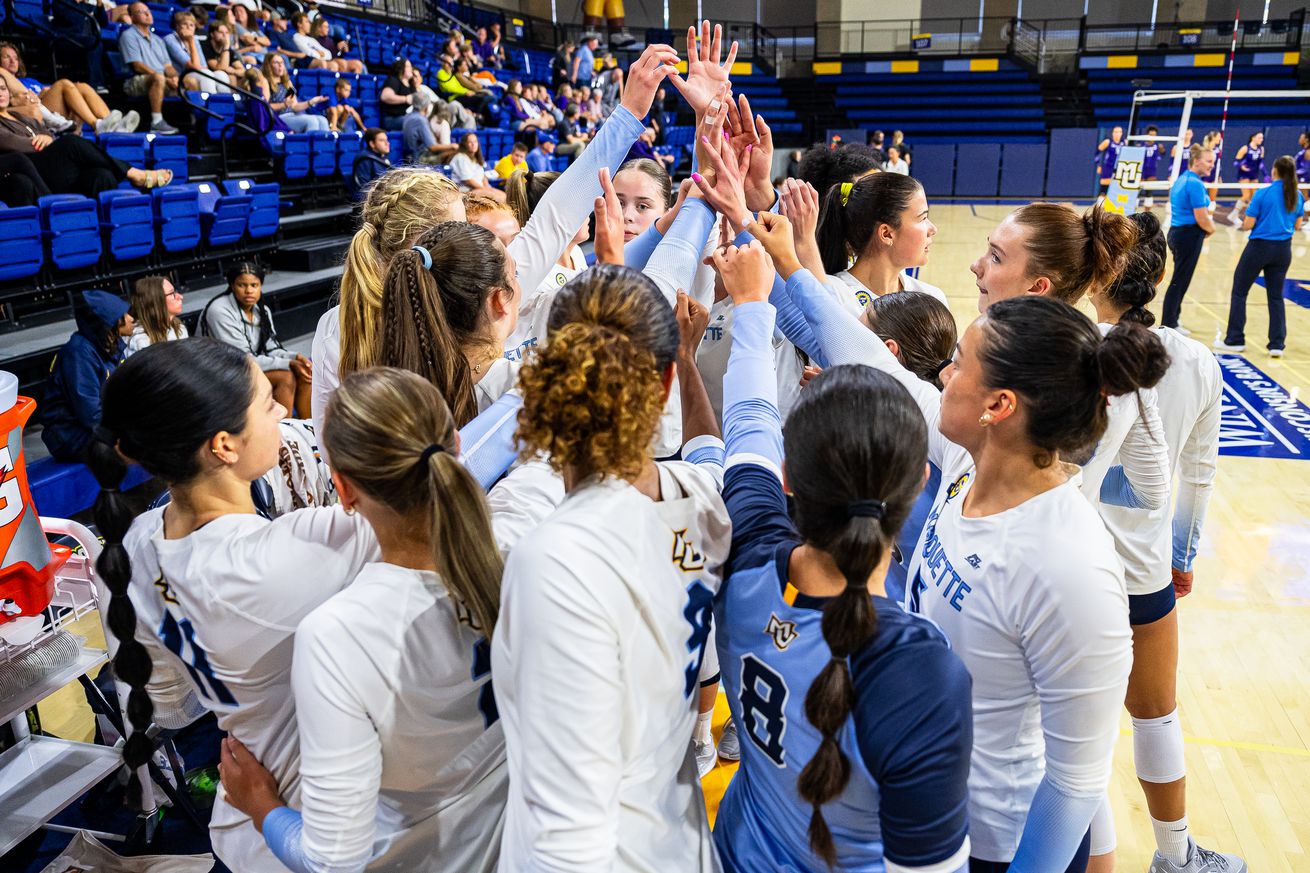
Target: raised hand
609, 222
704, 72
721, 186
665, 221
800, 205
693, 318
746, 271
645, 75
749, 132
775, 235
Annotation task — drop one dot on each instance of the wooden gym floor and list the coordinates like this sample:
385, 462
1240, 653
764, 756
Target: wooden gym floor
1244, 683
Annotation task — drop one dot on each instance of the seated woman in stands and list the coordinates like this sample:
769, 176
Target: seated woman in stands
525, 114
156, 311
468, 169
282, 98
457, 84
76, 101
238, 318
320, 31
70, 405
33, 163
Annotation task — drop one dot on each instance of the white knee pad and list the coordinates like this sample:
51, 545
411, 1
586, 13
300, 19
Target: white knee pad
1158, 748
1103, 840
709, 667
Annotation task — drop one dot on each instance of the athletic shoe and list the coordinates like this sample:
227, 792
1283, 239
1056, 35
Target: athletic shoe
705, 758
163, 127
729, 745
1225, 348
1182, 330
623, 39
110, 122
1212, 206
1275, 353
1199, 861
130, 122
58, 124
1235, 217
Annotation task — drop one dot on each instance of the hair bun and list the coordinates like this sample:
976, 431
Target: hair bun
1130, 358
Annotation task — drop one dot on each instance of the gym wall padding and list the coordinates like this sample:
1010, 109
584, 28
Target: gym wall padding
1023, 169
977, 170
1070, 167
1278, 141
934, 167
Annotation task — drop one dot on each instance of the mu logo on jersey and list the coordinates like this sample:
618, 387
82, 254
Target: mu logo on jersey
685, 554
783, 632
956, 486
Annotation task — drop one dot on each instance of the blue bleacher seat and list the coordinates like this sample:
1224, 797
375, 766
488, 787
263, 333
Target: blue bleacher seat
62, 490
323, 153
177, 217
397, 145
348, 145
264, 205
291, 153
70, 227
127, 147
222, 216
127, 221
20, 241
169, 153
222, 104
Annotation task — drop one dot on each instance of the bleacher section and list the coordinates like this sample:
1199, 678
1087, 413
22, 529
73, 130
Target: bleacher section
949, 100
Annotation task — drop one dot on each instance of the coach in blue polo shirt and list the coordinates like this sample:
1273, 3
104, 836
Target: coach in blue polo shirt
1273, 216
1189, 224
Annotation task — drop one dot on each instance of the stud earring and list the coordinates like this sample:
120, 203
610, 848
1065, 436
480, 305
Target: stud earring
985, 419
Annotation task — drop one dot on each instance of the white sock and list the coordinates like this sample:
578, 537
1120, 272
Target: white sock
1171, 838
703, 733
156, 118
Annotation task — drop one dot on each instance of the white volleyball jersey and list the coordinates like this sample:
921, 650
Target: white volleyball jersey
402, 757
325, 352
712, 361
1191, 399
225, 602
605, 613
857, 295
534, 310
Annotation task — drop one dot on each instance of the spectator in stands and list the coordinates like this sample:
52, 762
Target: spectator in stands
282, 98
482, 47
584, 60
156, 307
561, 66
456, 84
539, 159
223, 58
371, 161
610, 85
898, 140
185, 52
896, 163
794, 164
70, 406
397, 94
319, 32
284, 40
644, 147
876, 140
592, 107
319, 57
498, 58
341, 109
540, 96
238, 318
64, 98
493, 215
525, 114
154, 75
421, 145
441, 121
451, 48
248, 37
564, 97
40, 164
468, 169
571, 140
517, 157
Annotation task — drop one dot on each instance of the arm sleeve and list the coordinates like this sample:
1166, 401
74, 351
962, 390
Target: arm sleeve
521, 501
638, 252
1197, 465
1143, 478
752, 425
844, 340
791, 323
568, 202
1055, 826
673, 263
487, 445
340, 752
566, 661
224, 323
919, 750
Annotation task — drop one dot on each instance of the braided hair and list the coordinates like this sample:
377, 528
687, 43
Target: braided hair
160, 408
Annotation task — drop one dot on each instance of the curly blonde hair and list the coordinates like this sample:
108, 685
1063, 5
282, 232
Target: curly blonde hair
593, 396
400, 206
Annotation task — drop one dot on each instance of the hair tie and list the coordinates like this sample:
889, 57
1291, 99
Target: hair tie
426, 255
428, 453
105, 435
865, 509
937, 370
846, 192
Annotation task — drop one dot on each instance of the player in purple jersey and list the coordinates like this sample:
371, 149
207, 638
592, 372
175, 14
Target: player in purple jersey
1108, 154
1303, 166
1151, 163
1250, 163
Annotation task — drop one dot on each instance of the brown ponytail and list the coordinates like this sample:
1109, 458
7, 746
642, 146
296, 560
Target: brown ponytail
856, 449
524, 190
1077, 253
1285, 172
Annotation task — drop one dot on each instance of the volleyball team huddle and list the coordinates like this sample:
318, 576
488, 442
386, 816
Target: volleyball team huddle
556, 508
